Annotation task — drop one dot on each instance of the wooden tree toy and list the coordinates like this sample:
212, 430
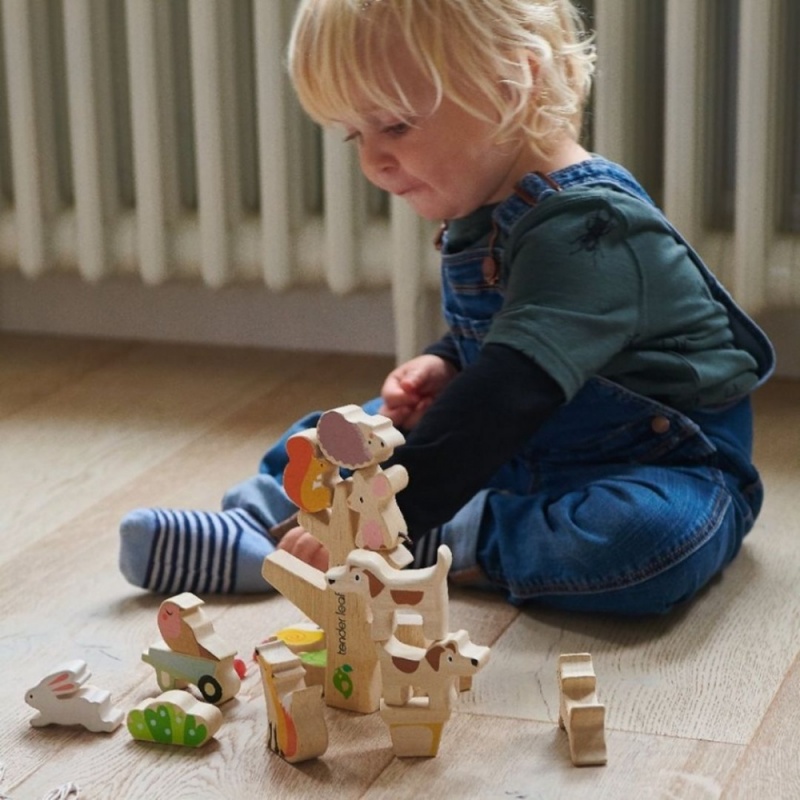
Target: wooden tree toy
174, 717
346, 438
580, 714
295, 712
190, 651
63, 698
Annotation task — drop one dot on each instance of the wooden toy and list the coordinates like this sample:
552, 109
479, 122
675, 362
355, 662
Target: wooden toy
191, 652
295, 712
380, 523
407, 670
349, 438
307, 641
357, 441
309, 478
352, 677
580, 714
415, 728
174, 717
388, 590
364, 598
61, 698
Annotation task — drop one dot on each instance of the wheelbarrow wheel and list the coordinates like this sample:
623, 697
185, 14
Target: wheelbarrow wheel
210, 688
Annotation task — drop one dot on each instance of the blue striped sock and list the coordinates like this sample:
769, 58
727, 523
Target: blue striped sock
170, 551
425, 548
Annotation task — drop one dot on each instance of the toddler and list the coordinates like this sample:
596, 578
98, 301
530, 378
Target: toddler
581, 436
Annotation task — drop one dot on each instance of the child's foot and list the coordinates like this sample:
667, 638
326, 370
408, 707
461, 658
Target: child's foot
425, 548
170, 551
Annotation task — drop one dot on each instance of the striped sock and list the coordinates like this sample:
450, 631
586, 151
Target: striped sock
170, 551
425, 548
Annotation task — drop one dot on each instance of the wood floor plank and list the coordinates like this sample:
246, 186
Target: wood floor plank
770, 766
696, 703
701, 673
35, 367
97, 433
493, 759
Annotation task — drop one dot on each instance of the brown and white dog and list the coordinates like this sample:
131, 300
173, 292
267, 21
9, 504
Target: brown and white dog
431, 670
387, 590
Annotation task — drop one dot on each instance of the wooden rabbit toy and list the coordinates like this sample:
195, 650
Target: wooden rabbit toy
61, 698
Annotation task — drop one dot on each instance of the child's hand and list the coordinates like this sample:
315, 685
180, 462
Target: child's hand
306, 547
410, 389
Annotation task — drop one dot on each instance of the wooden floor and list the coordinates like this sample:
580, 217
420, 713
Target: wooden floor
703, 704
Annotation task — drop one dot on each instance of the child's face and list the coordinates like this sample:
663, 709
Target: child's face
446, 163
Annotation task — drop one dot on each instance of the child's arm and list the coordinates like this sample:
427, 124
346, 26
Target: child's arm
410, 389
479, 422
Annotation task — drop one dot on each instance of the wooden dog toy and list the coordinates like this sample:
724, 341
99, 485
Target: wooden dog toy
191, 652
433, 671
61, 698
388, 590
580, 714
174, 717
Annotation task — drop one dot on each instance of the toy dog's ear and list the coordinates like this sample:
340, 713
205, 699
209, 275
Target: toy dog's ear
375, 583
434, 656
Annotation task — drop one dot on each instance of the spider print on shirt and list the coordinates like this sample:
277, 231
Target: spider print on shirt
597, 226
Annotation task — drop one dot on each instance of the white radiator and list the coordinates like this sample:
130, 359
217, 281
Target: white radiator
160, 139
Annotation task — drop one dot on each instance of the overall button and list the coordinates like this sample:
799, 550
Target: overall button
659, 425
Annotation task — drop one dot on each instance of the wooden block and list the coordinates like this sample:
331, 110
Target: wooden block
307, 641
351, 438
174, 717
372, 496
352, 679
388, 590
309, 477
415, 729
432, 671
62, 698
216, 680
295, 712
580, 714
335, 527
191, 652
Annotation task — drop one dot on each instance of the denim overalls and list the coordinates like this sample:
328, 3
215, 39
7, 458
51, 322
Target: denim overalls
618, 503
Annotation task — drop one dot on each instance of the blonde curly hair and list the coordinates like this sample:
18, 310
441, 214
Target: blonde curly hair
530, 59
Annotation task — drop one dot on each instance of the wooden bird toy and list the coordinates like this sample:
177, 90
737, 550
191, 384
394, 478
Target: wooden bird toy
191, 652
295, 712
63, 698
580, 714
174, 717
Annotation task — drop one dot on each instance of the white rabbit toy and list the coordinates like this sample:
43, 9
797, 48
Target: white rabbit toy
62, 699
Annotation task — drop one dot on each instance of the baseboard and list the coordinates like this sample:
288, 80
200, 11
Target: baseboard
308, 319
250, 315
